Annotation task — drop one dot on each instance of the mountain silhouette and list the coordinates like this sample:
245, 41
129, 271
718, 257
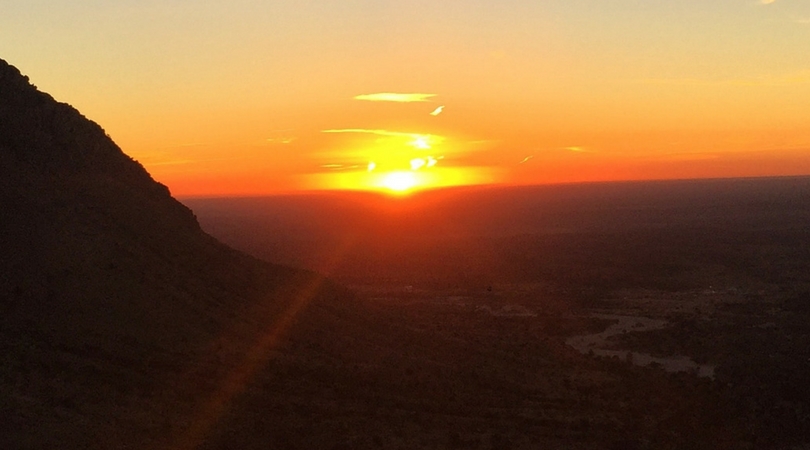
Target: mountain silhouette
119, 316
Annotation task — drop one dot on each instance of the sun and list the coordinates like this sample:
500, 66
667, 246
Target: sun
399, 182
395, 163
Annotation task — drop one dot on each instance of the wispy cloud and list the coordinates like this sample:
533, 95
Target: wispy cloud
417, 140
578, 149
340, 167
395, 97
766, 2
283, 140
388, 133
437, 111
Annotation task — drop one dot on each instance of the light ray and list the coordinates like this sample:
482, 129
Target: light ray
236, 381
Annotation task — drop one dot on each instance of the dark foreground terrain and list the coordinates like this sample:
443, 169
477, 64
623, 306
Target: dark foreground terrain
496, 281
124, 325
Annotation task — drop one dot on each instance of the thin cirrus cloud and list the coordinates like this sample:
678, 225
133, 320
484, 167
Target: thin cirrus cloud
282, 141
395, 97
579, 149
419, 141
377, 132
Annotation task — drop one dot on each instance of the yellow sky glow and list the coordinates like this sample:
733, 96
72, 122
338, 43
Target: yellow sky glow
252, 98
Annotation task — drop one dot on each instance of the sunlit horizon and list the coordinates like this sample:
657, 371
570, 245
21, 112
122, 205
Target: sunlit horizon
258, 98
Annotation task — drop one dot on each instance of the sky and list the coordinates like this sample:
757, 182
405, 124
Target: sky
253, 97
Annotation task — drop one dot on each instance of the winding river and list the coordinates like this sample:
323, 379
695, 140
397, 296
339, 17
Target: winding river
598, 342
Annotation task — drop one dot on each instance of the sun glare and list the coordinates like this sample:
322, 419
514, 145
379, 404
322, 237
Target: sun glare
399, 182
403, 181
393, 161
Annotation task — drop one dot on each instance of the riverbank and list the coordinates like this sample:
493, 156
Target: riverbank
601, 344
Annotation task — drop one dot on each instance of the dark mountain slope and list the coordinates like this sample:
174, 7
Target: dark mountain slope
112, 300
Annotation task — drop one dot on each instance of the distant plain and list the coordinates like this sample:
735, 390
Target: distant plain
510, 270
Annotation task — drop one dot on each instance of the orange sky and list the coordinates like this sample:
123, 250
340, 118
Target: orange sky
253, 97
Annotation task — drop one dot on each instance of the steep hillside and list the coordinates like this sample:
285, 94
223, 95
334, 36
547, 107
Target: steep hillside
110, 294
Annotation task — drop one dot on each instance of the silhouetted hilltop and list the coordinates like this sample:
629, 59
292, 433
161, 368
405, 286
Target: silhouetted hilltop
41, 138
113, 302
53, 138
